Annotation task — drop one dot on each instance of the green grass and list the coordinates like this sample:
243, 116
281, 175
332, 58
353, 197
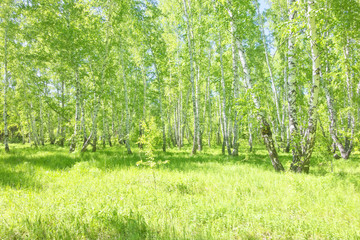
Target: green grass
47, 193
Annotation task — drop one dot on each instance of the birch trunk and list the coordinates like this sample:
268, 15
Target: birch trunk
250, 135
83, 125
189, 40
343, 149
175, 124
127, 120
358, 95
310, 134
219, 128
223, 100
222, 129
160, 105
94, 125
286, 111
113, 118
97, 96
208, 104
185, 126
6, 83
58, 133
199, 132
292, 94
144, 103
33, 127
62, 127
172, 134
180, 113
264, 125
21, 126
29, 125
350, 94
93, 134
230, 128
235, 84
42, 140
74, 137
104, 133
273, 88
50, 128
27, 111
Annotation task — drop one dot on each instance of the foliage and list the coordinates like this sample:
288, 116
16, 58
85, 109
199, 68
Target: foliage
83, 72
148, 140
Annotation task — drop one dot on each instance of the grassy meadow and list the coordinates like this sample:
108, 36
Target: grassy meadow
47, 193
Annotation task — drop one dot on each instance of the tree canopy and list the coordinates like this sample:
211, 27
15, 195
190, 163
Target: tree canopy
221, 73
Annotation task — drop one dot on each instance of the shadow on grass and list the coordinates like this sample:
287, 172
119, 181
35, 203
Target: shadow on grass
103, 225
18, 180
52, 161
179, 160
56, 158
349, 178
259, 158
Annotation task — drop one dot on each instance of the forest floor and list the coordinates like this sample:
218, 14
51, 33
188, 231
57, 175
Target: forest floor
47, 193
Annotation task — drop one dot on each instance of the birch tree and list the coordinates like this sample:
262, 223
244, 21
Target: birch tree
190, 49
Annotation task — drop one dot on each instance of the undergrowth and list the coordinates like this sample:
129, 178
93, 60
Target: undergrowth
47, 193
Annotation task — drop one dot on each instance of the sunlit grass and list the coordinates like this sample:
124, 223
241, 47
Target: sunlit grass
47, 193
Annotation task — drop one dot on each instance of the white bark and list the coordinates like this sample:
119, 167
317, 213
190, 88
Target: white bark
33, 127
144, 102
50, 128
199, 132
181, 114
83, 125
6, 83
276, 98
74, 138
221, 123
265, 127
223, 100
310, 133
292, 93
42, 140
344, 152
250, 135
235, 84
160, 101
104, 130
208, 104
349, 85
127, 121
20, 125
62, 140
189, 40
346, 148
358, 95
94, 122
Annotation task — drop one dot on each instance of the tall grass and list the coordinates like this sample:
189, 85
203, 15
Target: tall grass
47, 193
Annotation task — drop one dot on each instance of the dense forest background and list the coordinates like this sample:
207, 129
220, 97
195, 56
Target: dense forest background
169, 73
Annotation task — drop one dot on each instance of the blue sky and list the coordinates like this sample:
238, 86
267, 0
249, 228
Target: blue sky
264, 4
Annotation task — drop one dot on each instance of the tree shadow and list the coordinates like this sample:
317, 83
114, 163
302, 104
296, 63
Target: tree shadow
56, 158
103, 225
184, 161
53, 161
349, 179
18, 180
